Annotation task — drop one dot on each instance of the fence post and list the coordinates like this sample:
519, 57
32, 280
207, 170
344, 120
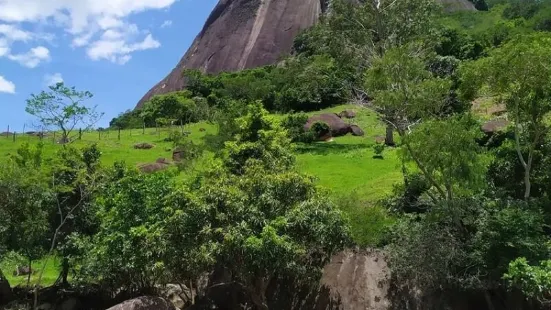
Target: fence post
99, 134
119, 137
80, 133
143, 129
8, 132
14, 136
54, 137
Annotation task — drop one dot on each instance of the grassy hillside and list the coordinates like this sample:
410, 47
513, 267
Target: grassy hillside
343, 165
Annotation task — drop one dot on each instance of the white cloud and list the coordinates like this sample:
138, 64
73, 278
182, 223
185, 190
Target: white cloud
4, 47
166, 24
94, 24
52, 79
32, 58
12, 33
6, 86
116, 50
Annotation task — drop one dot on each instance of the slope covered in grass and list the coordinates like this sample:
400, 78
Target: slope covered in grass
342, 165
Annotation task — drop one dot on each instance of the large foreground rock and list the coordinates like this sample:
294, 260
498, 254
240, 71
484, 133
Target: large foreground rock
358, 280
145, 303
241, 34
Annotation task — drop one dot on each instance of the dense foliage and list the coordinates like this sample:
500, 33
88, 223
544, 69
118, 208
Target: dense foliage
470, 220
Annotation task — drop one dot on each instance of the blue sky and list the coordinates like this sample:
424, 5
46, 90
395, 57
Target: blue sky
117, 49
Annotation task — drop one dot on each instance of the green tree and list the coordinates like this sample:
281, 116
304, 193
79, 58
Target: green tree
406, 93
533, 280
178, 106
63, 108
464, 245
25, 202
518, 74
447, 154
127, 251
263, 226
404, 90
259, 137
75, 178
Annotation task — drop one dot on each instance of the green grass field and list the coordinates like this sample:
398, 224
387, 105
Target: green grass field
51, 272
345, 167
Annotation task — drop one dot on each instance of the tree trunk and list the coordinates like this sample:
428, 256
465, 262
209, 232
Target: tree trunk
489, 300
64, 271
389, 138
527, 184
30, 273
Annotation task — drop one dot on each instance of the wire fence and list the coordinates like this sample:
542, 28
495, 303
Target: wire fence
112, 134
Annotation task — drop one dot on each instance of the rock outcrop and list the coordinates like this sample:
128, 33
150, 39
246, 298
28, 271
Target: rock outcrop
145, 303
358, 280
241, 34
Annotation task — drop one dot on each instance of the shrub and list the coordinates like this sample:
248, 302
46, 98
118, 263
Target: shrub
320, 130
294, 124
378, 149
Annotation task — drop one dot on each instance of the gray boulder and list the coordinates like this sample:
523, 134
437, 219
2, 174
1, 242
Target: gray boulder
357, 131
494, 126
337, 125
347, 114
145, 303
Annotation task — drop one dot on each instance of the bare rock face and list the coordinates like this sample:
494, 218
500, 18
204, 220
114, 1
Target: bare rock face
145, 303
242, 34
360, 281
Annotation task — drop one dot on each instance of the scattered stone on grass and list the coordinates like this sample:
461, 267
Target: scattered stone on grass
347, 114
380, 139
143, 146
159, 165
357, 131
494, 126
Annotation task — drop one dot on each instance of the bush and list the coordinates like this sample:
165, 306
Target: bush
294, 124
320, 130
407, 198
378, 149
175, 136
465, 244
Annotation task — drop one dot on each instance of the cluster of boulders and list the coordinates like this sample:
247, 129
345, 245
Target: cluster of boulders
336, 123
